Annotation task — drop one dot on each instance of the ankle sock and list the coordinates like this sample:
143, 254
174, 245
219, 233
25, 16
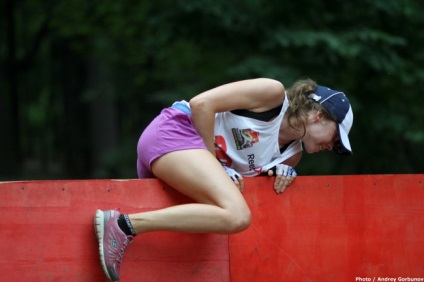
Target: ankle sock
125, 224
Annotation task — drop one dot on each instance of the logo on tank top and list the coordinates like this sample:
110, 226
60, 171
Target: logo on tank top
251, 162
245, 138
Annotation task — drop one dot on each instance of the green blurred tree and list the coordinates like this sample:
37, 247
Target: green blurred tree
100, 71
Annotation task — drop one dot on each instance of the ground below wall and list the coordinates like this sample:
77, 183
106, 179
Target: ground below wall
323, 228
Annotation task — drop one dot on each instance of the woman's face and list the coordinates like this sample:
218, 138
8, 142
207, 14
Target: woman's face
321, 133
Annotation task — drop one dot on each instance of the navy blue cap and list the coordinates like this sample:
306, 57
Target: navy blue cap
339, 106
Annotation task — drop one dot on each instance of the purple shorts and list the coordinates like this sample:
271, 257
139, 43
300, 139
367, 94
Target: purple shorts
171, 131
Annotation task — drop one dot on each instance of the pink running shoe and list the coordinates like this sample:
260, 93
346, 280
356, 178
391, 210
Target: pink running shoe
112, 242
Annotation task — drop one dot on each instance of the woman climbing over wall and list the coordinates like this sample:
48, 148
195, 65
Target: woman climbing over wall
203, 148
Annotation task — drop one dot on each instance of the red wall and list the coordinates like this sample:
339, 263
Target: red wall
326, 228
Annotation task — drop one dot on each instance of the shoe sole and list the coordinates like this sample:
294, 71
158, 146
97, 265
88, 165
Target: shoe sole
99, 223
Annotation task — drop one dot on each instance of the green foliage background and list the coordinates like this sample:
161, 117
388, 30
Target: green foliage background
81, 79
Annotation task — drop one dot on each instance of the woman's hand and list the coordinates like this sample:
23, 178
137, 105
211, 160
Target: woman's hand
235, 176
285, 175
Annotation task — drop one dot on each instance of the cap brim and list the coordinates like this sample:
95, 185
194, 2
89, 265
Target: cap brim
343, 146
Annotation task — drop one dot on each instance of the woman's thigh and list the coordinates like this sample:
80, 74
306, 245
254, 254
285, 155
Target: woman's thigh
197, 174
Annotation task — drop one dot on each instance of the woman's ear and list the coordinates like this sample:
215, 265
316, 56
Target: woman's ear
319, 115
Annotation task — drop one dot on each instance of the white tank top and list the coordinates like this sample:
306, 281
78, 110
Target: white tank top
250, 146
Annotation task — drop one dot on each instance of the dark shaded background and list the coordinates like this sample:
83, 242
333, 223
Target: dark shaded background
81, 79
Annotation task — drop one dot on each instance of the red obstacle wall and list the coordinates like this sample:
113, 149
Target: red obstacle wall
327, 228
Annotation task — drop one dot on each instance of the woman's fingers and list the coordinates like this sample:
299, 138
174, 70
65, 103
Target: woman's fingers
282, 182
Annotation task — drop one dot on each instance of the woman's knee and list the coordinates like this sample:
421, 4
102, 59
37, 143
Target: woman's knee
238, 220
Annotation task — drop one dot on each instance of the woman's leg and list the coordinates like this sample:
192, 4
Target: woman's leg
196, 173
